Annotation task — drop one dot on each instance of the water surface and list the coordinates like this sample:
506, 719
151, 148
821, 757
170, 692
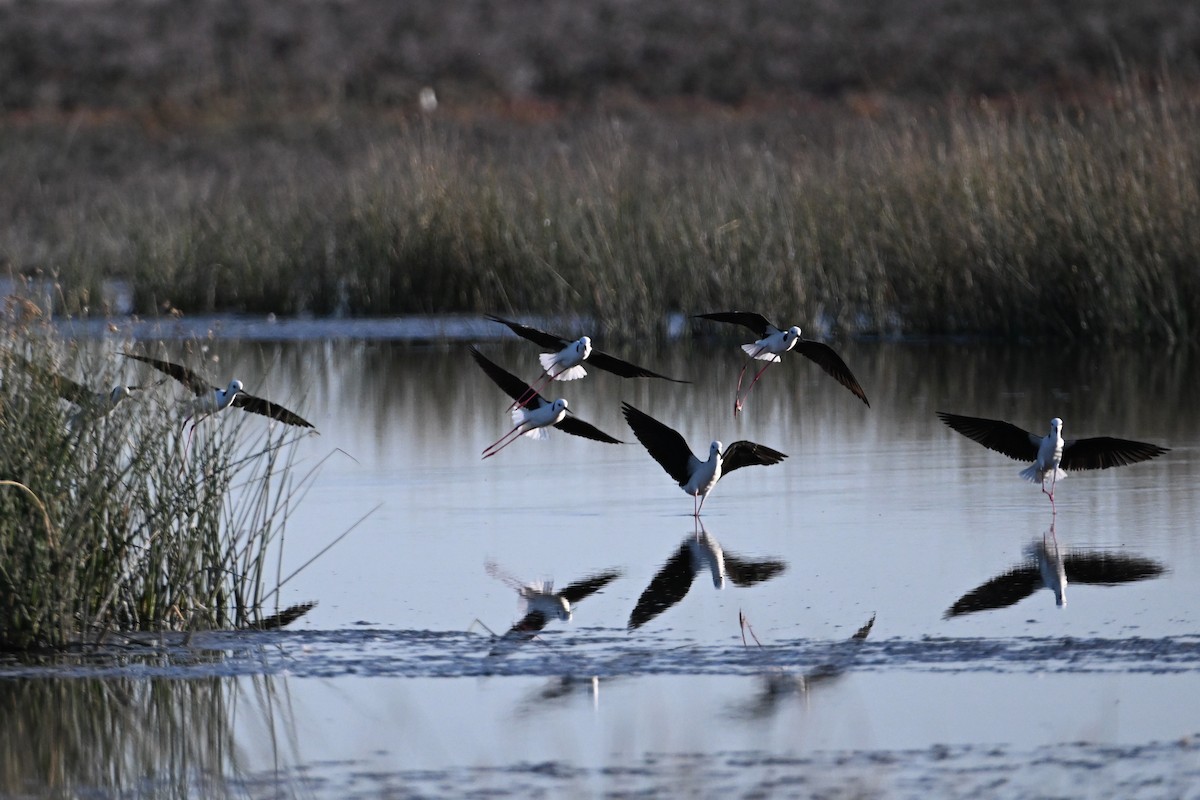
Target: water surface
387, 687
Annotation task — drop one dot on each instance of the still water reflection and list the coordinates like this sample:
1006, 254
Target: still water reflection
878, 510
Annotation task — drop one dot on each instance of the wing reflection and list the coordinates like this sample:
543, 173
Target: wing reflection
698, 552
542, 604
1049, 565
776, 685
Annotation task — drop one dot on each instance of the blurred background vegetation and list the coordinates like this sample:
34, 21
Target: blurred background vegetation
923, 166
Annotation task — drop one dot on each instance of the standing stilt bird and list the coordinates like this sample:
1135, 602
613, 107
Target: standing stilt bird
773, 342
1052, 456
566, 362
694, 476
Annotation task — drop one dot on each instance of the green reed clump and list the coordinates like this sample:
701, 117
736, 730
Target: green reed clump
1076, 221
106, 524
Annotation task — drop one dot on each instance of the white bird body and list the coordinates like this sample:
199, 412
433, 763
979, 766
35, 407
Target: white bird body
539, 596
1051, 568
773, 345
215, 401
534, 421
98, 405
565, 365
705, 474
706, 551
1050, 452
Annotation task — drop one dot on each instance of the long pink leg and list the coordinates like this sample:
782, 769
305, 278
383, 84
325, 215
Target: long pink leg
737, 395
742, 399
1050, 494
496, 447
532, 391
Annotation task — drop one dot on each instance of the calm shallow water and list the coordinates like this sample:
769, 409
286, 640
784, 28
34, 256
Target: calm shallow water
387, 687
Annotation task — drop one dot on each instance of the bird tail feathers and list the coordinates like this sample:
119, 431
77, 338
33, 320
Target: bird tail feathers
552, 367
1035, 475
520, 416
756, 351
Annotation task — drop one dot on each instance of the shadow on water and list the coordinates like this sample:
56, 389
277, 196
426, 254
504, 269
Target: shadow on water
160, 737
1050, 565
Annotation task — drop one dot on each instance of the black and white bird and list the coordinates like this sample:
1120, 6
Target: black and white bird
1052, 456
209, 399
698, 552
565, 363
1048, 566
537, 414
541, 604
773, 342
89, 404
694, 476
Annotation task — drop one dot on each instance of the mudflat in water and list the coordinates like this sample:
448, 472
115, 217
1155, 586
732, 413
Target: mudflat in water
392, 686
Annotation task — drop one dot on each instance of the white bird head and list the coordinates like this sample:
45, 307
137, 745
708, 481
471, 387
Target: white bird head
235, 386
560, 405
1056, 426
714, 448
583, 346
563, 611
791, 336
118, 394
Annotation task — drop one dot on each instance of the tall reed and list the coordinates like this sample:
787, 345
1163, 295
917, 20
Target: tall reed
1078, 222
106, 524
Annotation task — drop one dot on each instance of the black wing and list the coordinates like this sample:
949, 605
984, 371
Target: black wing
1109, 568
1003, 437
665, 445
828, 360
531, 623
575, 425
283, 618
747, 319
194, 382
864, 631
624, 369
582, 588
1001, 591
256, 405
63, 386
668, 587
1102, 452
745, 454
513, 386
745, 572
532, 334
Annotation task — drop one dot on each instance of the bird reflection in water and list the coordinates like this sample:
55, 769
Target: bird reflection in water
540, 603
777, 685
560, 690
698, 552
1048, 565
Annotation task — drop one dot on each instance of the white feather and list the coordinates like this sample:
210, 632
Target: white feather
552, 364
1035, 475
756, 351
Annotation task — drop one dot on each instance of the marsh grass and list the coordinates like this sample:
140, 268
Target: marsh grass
1071, 221
106, 525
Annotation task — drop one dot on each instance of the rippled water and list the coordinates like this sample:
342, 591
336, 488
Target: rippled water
393, 686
